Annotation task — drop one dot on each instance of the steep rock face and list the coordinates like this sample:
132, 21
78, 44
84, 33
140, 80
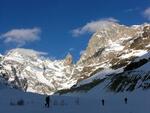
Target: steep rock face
125, 51
114, 50
116, 46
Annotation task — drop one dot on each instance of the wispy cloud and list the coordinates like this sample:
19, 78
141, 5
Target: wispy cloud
71, 49
132, 9
146, 13
93, 26
27, 52
21, 36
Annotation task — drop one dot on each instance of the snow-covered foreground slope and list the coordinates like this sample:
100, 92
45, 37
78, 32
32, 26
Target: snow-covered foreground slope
138, 102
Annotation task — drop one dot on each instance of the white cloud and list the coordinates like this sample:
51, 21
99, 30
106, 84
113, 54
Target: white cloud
21, 36
93, 26
132, 9
146, 13
71, 49
27, 52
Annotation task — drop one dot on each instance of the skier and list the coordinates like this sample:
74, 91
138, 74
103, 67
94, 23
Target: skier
125, 100
103, 102
47, 100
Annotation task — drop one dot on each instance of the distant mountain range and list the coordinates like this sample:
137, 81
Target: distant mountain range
116, 54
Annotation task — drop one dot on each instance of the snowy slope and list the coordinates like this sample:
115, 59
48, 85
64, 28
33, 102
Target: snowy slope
138, 102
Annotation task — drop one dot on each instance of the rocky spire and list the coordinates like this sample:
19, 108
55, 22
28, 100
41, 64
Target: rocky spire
68, 59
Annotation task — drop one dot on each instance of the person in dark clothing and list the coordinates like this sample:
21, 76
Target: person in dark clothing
47, 100
125, 100
103, 102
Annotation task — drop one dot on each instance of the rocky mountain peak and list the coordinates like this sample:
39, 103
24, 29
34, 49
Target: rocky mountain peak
105, 37
68, 59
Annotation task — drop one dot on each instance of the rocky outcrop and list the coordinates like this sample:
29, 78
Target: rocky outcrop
68, 59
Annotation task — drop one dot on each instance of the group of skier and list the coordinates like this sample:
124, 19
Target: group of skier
125, 101
47, 101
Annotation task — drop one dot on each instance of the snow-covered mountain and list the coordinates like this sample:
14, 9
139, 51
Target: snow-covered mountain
28, 70
114, 50
119, 56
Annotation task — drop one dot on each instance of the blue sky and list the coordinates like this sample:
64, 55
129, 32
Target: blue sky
47, 25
